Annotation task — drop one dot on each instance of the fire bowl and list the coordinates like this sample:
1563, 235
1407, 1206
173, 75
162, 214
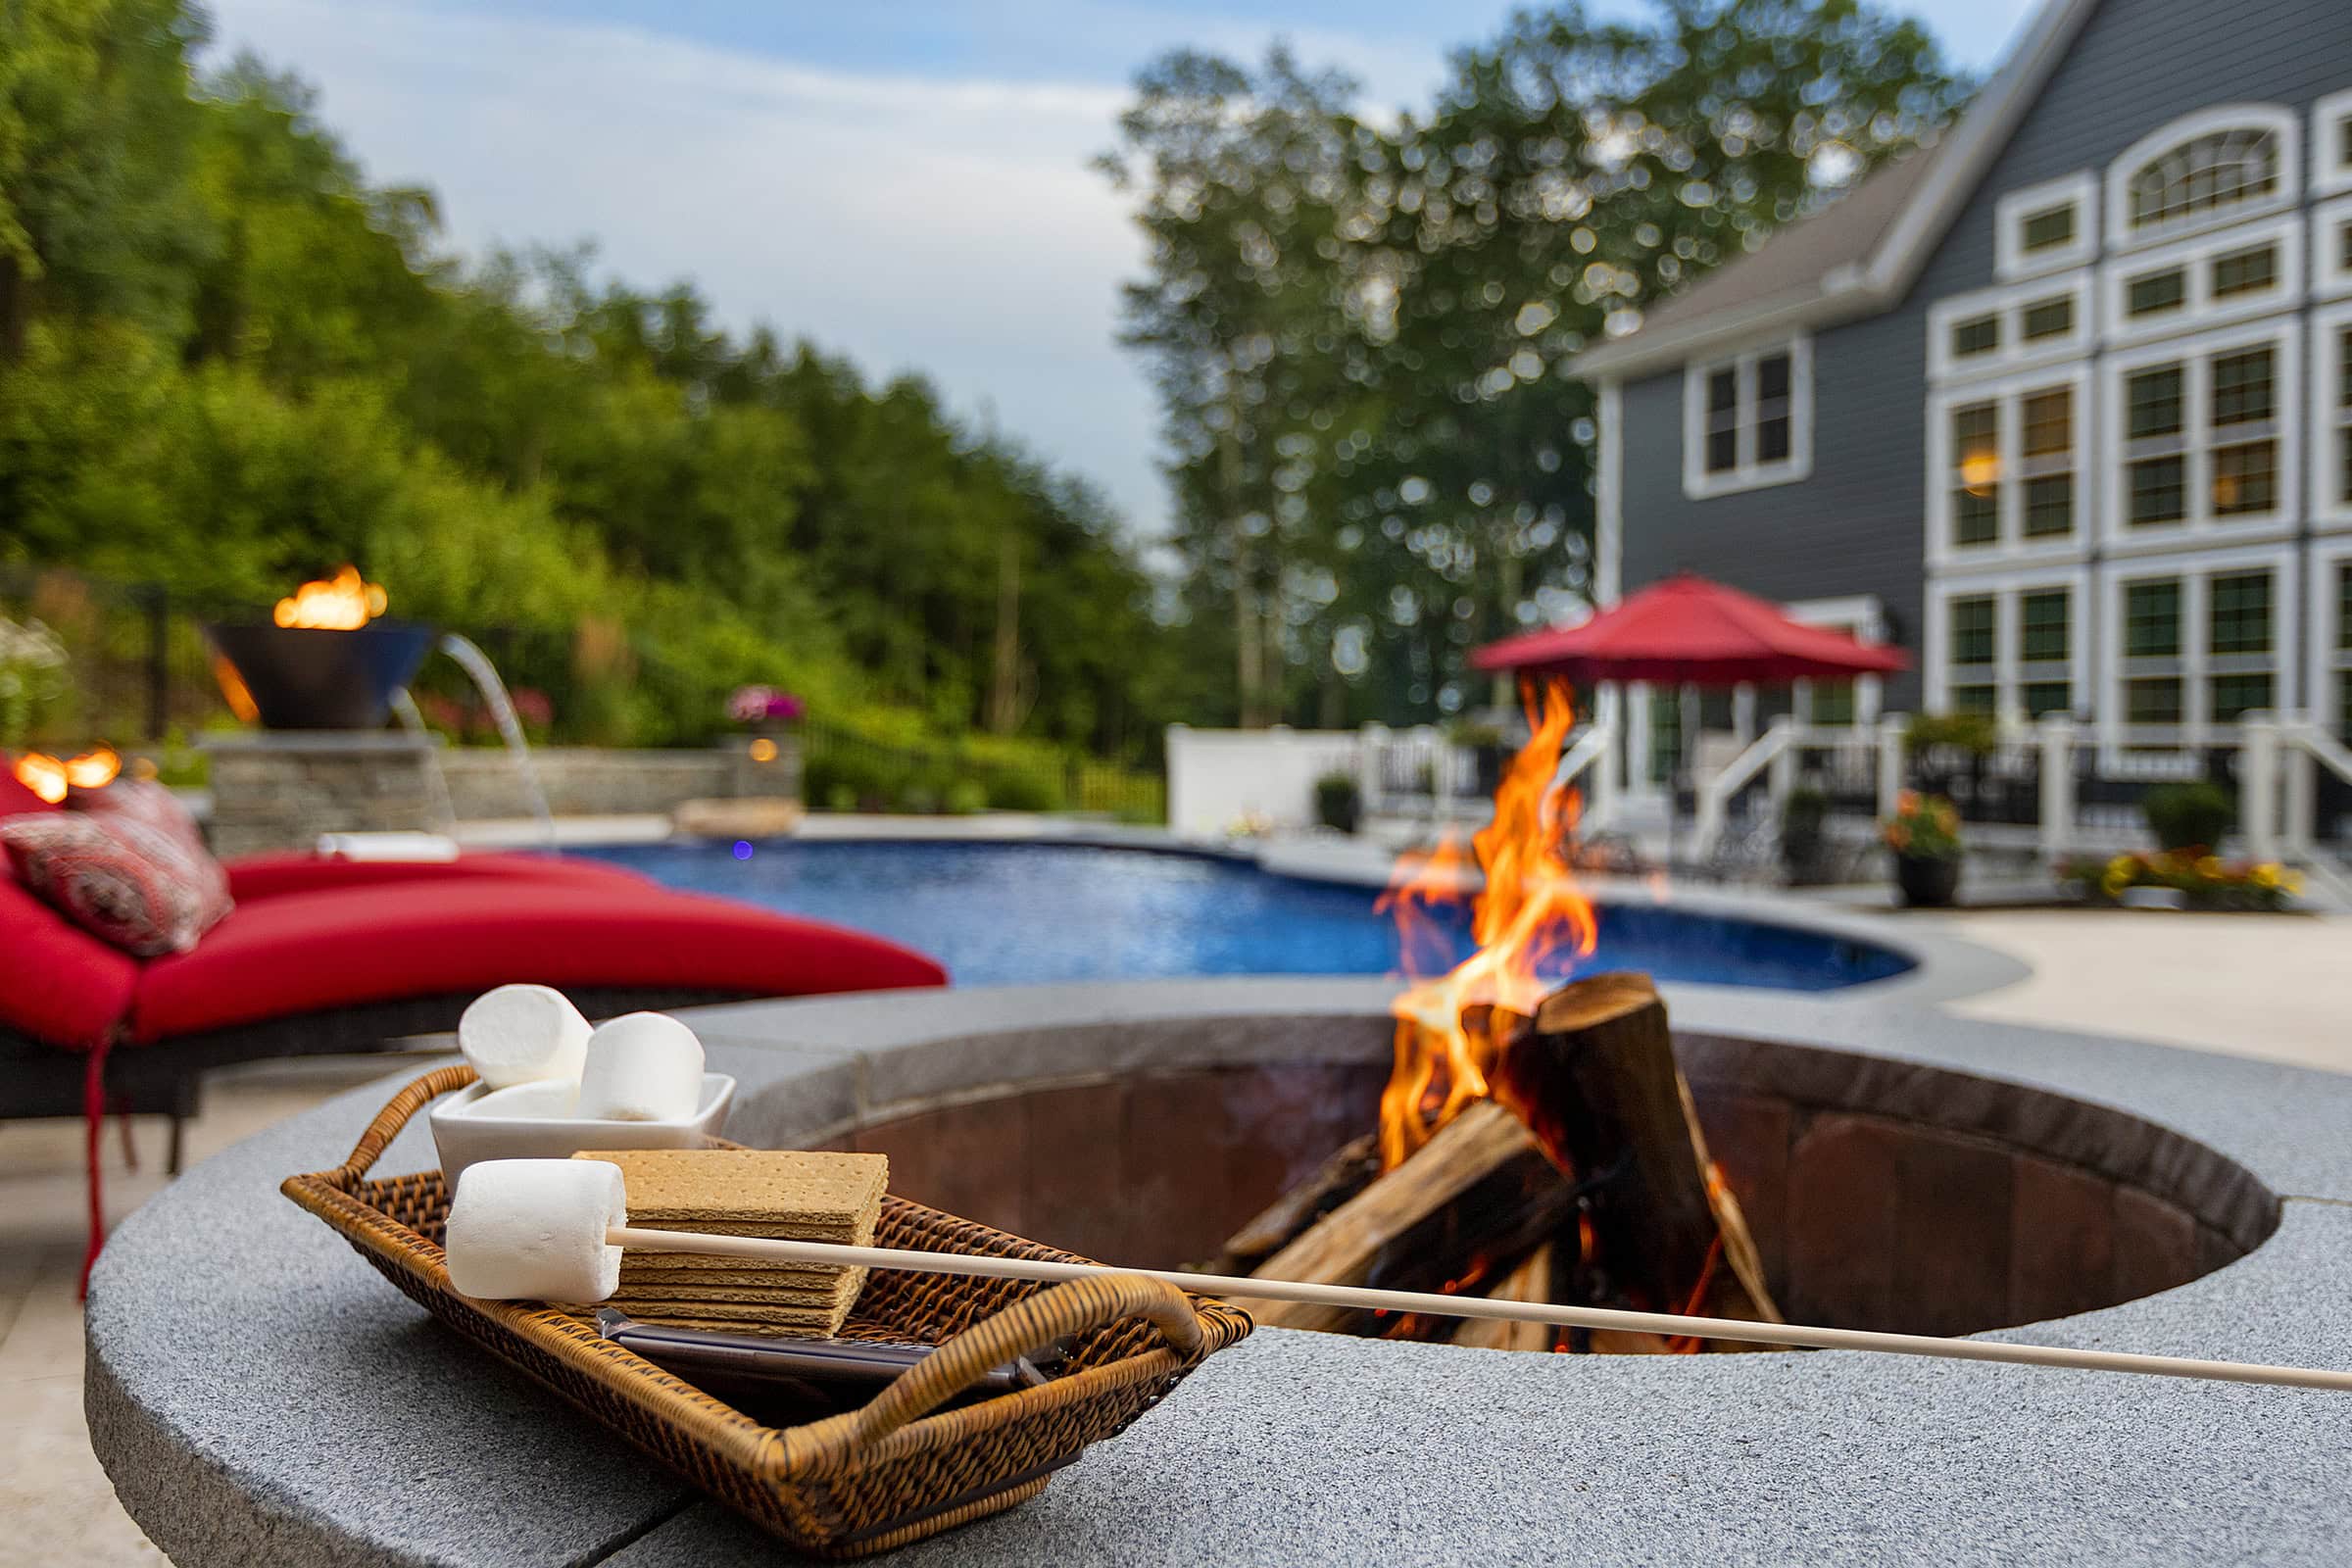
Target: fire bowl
304, 678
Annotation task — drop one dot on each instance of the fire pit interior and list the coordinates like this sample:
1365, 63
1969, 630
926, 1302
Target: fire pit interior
326, 660
1880, 1194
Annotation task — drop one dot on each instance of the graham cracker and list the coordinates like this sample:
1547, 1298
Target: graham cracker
732, 1272
819, 1330
705, 1187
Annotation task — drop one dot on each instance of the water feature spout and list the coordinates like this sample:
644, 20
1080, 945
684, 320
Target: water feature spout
476, 664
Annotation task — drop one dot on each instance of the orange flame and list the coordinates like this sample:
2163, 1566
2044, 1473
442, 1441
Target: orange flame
1452, 1029
49, 777
234, 691
345, 601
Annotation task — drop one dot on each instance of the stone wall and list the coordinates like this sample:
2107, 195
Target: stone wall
601, 781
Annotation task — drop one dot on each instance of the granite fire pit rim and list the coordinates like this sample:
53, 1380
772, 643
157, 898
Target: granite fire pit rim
215, 1462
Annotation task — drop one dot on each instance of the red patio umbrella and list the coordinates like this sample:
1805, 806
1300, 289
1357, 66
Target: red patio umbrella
1687, 629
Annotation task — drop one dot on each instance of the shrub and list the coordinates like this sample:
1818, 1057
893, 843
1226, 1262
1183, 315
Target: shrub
966, 795
1023, 792
1974, 733
1339, 804
2188, 816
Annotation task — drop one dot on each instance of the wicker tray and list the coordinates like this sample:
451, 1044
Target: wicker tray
853, 1483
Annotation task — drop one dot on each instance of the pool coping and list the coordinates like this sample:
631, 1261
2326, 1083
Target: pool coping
375, 1440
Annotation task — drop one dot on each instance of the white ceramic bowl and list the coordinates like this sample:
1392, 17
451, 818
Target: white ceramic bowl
483, 1123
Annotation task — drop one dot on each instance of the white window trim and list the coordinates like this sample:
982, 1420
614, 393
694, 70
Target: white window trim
1868, 618
2009, 213
2330, 274
2329, 171
2195, 571
2199, 310
2286, 337
2005, 589
2009, 303
1748, 474
2009, 546
2280, 121
2328, 666
2329, 509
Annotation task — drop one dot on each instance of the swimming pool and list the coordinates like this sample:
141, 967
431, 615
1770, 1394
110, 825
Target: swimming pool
1024, 913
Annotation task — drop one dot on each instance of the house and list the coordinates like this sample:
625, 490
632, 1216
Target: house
2063, 404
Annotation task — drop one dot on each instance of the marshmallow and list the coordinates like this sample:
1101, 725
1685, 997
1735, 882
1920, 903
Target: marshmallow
553, 1098
534, 1230
522, 1034
642, 1066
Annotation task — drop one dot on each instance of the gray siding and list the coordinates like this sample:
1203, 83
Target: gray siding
1857, 525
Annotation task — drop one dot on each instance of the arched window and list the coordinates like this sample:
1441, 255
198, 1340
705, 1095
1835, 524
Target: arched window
2223, 168
2207, 168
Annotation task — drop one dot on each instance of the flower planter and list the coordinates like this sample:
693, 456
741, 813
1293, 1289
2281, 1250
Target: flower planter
1928, 882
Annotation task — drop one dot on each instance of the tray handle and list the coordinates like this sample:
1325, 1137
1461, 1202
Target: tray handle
396, 1115
1070, 1308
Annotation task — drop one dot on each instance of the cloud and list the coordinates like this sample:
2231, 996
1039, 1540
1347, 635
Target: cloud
949, 227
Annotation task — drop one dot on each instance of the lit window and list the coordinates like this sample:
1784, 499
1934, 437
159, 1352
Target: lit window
2153, 620
1972, 622
1975, 474
2204, 174
2049, 460
1980, 334
2049, 318
2245, 474
2152, 293
2246, 271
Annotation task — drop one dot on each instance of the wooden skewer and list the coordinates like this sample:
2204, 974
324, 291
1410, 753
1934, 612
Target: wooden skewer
768, 1250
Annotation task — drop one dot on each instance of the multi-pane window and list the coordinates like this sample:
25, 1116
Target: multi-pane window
2152, 293
2204, 174
2245, 271
2343, 650
2152, 700
2341, 416
2049, 461
2153, 620
2049, 229
2043, 647
1976, 473
2157, 474
1774, 408
2245, 474
1723, 420
2238, 612
2238, 628
2048, 318
1979, 334
1972, 630
1665, 733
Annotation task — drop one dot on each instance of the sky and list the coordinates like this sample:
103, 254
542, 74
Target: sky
902, 180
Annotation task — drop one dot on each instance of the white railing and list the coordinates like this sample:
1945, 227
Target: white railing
1778, 753
2276, 794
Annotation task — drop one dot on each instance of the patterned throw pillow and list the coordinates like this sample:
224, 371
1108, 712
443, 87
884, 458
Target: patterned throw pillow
126, 882
150, 805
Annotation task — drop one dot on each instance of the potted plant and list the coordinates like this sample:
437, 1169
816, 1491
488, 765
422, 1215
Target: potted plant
1925, 835
1339, 804
1804, 837
2192, 816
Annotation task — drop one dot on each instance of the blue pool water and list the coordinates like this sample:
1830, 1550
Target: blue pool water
1020, 913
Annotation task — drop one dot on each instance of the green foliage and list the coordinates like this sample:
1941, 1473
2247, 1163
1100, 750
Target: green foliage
1976, 734
1023, 792
2194, 815
1358, 331
2206, 882
229, 363
1339, 801
1923, 827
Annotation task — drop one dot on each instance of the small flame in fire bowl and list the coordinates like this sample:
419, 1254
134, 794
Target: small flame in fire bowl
49, 777
1529, 914
344, 602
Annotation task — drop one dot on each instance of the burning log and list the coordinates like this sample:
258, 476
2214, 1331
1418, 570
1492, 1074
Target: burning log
1593, 1076
1481, 1188
1532, 1281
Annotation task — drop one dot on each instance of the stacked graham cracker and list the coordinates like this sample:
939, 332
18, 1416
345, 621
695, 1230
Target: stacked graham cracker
796, 1193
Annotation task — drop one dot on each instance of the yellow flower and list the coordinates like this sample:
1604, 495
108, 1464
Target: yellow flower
2115, 883
2292, 881
2209, 865
2121, 866
2264, 876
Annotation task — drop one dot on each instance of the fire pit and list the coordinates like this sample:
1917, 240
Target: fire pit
324, 661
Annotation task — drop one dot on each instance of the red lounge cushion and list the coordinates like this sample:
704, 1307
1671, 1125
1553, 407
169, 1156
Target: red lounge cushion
14, 797
57, 984
128, 883
273, 875
302, 953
